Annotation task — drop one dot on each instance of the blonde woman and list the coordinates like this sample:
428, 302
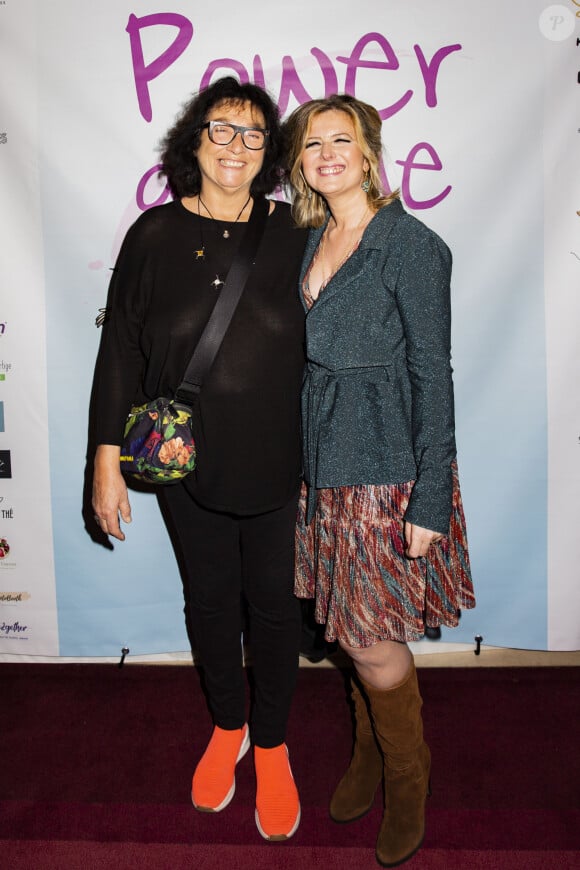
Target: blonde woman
381, 538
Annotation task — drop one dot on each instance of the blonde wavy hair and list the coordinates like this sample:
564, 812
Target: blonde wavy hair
308, 207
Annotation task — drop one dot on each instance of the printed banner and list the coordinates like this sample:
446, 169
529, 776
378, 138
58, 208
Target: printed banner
480, 125
28, 613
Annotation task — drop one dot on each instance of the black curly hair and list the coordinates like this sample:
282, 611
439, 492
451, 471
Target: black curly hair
178, 161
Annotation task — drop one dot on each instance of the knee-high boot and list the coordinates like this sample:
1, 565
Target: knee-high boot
396, 716
355, 793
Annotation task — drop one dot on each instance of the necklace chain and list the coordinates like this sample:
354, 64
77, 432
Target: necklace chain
200, 252
348, 251
225, 233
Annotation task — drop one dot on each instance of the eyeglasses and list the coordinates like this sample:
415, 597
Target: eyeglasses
219, 133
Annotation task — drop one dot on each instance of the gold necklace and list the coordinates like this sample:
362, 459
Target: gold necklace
349, 251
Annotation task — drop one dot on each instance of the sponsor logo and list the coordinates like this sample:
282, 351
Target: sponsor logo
13, 629
4, 548
5, 367
5, 464
14, 597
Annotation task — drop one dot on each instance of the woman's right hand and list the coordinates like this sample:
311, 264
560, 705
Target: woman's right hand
110, 497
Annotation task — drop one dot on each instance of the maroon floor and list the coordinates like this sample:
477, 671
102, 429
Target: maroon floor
96, 765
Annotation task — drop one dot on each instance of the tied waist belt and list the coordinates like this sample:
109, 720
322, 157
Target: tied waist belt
318, 401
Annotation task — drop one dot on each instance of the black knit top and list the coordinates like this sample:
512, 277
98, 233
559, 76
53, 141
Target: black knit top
247, 425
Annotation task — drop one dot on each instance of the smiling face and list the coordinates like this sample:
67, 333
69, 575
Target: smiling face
332, 161
230, 167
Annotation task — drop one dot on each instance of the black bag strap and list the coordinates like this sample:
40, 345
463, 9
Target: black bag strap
216, 327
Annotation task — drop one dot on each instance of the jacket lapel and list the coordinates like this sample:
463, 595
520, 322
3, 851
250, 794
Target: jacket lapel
374, 237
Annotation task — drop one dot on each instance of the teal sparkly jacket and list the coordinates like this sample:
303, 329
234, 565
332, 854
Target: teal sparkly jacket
377, 401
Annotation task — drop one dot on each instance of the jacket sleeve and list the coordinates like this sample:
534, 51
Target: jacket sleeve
420, 276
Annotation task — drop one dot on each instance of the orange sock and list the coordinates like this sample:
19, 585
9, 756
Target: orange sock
277, 801
214, 781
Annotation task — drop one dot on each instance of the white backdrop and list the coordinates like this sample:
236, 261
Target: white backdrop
480, 110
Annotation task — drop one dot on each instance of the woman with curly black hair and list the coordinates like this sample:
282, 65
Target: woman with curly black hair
232, 519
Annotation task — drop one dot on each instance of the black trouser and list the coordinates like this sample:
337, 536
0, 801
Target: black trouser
226, 558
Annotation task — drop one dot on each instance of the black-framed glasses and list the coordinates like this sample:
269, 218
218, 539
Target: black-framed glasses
221, 133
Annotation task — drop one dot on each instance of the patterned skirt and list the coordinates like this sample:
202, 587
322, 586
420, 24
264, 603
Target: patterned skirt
351, 558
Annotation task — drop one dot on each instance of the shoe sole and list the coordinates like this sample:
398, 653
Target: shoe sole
277, 838
228, 798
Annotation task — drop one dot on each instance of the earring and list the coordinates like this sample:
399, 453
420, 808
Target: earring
366, 183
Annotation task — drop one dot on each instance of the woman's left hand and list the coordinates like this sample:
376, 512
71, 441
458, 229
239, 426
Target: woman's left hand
418, 540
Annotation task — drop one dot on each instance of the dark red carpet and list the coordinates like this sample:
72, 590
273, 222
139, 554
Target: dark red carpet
96, 764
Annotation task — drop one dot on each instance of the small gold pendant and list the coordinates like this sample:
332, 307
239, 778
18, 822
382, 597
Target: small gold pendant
200, 254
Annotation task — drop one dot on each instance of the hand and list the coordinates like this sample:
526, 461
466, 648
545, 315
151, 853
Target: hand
418, 540
110, 498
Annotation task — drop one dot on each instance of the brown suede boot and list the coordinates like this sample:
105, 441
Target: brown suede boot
396, 716
355, 793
